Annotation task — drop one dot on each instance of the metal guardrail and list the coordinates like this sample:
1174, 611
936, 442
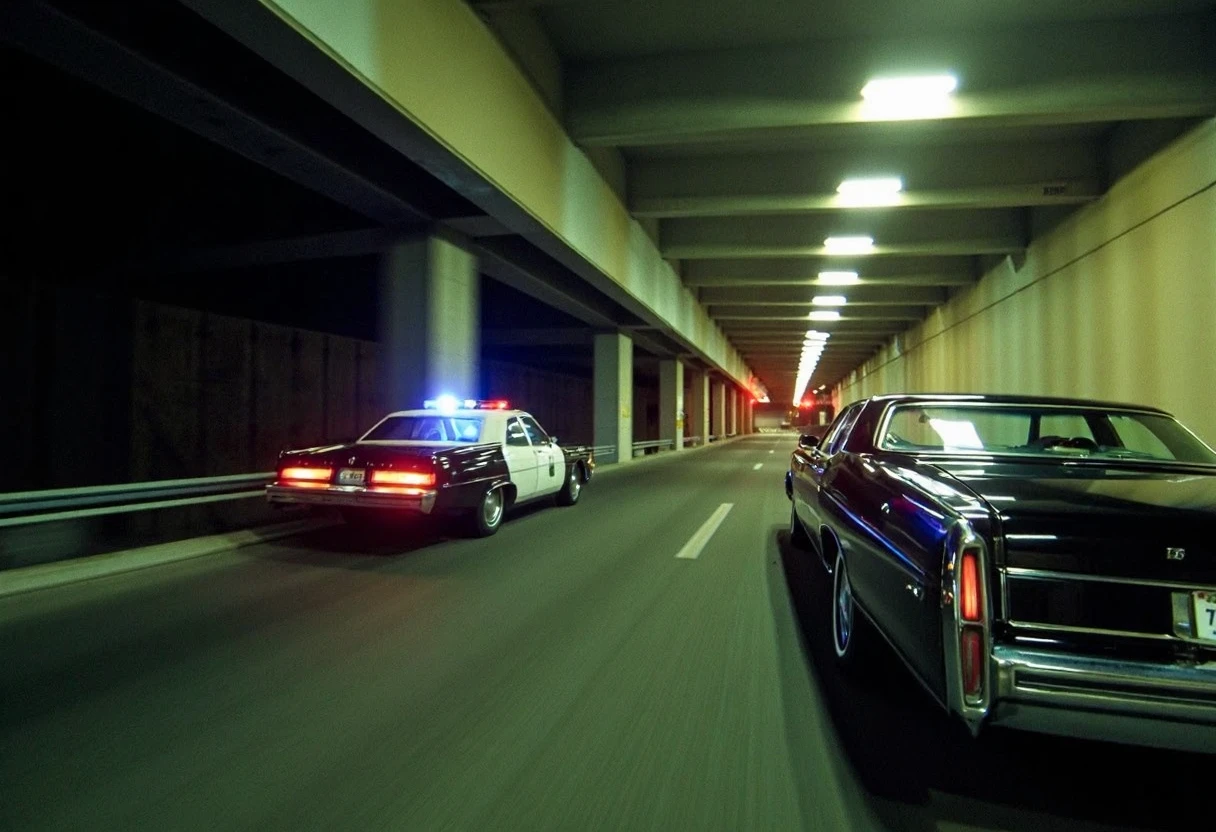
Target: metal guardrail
29, 507
654, 444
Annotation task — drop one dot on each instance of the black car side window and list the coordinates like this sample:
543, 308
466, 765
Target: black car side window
846, 425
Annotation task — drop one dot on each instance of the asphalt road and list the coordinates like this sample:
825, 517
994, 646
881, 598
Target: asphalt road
569, 673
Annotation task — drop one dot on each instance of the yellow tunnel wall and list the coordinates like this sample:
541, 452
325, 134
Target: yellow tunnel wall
1118, 302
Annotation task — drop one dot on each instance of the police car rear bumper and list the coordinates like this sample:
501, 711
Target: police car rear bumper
347, 496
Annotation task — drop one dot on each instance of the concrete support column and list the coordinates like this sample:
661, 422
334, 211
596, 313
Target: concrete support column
718, 402
613, 387
671, 403
747, 414
732, 411
429, 320
697, 405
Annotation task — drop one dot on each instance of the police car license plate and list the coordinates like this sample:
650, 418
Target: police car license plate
1205, 615
351, 476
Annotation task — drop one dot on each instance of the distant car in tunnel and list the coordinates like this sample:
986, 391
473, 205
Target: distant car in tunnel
472, 459
1042, 564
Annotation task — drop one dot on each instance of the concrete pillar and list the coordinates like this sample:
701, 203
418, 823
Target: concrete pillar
697, 405
671, 403
613, 387
746, 427
718, 402
429, 320
732, 411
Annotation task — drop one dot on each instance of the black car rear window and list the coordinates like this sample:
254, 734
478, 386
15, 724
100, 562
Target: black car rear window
1057, 432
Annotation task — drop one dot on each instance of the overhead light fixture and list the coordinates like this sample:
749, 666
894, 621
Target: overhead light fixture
870, 193
849, 245
824, 315
911, 96
829, 300
838, 278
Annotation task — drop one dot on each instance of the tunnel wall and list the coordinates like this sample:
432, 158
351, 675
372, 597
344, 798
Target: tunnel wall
97, 390
1117, 302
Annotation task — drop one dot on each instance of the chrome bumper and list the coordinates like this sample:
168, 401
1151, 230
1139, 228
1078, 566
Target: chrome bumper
350, 496
1164, 705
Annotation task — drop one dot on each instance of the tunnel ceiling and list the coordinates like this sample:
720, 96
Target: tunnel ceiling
738, 121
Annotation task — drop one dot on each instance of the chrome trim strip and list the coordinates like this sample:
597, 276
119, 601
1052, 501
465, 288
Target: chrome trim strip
1091, 631
1050, 574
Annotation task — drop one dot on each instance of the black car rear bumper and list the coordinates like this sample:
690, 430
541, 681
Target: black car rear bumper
1144, 703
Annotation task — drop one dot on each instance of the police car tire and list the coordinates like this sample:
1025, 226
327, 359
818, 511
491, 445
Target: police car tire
572, 488
481, 521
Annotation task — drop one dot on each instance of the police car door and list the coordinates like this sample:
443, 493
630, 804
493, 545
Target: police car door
521, 460
550, 460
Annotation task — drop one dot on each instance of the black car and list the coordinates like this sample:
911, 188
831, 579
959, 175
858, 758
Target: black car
1044, 564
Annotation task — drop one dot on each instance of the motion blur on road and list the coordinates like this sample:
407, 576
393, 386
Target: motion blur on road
570, 673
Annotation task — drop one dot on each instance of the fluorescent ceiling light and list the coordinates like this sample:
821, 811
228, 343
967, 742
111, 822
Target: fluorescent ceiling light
870, 193
909, 87
838, 278
824, 315
913, 96
814, 333
849, 245
829, 300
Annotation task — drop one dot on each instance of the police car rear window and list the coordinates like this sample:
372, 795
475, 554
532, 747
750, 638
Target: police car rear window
426, 429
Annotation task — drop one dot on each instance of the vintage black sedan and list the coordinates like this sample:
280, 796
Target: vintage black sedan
1042, 564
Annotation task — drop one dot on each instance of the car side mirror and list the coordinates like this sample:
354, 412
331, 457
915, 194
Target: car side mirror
808, 441
553, 440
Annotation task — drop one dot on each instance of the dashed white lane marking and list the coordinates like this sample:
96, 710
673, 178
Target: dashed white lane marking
771, 451
757, 466
698, 541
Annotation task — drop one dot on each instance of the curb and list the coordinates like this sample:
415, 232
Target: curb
48, 575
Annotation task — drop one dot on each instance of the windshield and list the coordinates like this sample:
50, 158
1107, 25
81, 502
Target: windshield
1042, 431
426, 429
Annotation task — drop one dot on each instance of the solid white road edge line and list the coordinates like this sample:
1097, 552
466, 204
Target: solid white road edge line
698, 541
757, 466
60, 572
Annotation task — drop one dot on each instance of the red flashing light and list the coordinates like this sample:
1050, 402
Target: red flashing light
306, 475
971, 648
414, 478
494, 404
971, 599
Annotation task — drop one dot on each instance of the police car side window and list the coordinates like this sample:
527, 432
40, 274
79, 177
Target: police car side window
846, 426
534, 431
516, 435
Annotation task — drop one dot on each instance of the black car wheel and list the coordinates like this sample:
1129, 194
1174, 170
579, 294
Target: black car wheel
485, 519
570, 492
845, 617
798, 536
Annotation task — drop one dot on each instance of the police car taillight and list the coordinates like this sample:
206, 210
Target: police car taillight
416, 478
301, 474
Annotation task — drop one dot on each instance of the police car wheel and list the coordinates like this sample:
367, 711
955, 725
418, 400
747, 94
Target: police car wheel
572, 488
485, 519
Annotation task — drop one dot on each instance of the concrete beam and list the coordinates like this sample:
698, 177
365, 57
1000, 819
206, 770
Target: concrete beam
789, 313
484, 131
912, 231
873, 271
868, 295
1062, 73
537, 337
97, 58
938, 176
